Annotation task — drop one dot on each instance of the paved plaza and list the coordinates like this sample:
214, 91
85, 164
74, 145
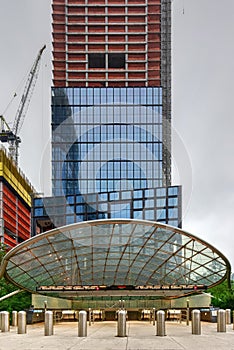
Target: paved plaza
102, 336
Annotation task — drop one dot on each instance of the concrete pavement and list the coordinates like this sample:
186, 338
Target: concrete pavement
102, 336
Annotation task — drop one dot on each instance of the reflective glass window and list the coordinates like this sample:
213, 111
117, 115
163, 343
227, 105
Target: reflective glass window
161, 202
83, 100
110, 95
149, 203
103, 196
114, 196
137, 94
70, 209
138, 204
90, 96
69, 219
80, 209
143, 95
38, 212
38, 202
161, 192
96, 96
161, 213
116, 95
80, 218
103, 207
79, 199
149, 193
172, 212
70, 199
172, 201
149, 214
172, 191
137, 194
126, 195
103, 96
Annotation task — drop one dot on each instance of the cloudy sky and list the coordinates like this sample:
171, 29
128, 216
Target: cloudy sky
203, 95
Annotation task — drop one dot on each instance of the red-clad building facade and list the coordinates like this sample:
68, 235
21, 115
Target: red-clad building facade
15, 203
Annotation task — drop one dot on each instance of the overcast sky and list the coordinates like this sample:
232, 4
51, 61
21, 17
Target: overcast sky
203, 95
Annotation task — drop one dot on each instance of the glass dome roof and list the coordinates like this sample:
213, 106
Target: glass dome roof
115, 257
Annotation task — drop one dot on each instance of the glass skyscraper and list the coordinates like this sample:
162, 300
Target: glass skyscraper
111, 113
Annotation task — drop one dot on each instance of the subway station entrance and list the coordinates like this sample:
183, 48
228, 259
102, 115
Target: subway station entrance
100, 263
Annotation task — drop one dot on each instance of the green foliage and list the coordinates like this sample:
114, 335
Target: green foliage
17, 302
223, 296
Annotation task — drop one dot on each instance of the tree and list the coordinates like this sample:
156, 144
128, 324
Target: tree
223, 296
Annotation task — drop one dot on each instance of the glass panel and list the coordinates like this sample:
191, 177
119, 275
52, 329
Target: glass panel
172, 191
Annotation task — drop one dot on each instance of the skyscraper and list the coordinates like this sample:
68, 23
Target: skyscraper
111, 111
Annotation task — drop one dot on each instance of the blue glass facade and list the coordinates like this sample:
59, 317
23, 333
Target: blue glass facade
106, 139
107, 158
158, 204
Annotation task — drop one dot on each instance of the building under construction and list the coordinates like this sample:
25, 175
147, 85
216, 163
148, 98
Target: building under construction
16, 193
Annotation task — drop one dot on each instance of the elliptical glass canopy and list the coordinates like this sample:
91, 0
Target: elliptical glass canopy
115, 257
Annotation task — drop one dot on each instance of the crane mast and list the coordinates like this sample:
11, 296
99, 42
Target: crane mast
11, 136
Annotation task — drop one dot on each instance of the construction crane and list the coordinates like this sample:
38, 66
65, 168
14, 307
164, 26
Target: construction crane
11, 135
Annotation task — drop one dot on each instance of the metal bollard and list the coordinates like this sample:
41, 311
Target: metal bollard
22, 328
221, 321
160, 327
5, 321
49, 326
196, 322
5, 325
90, 316
228, 316
121, 325
14, 318
0, 320
82, 324
154, 314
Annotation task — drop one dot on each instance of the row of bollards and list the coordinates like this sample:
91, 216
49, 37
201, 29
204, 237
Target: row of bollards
223, 318
19, 319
